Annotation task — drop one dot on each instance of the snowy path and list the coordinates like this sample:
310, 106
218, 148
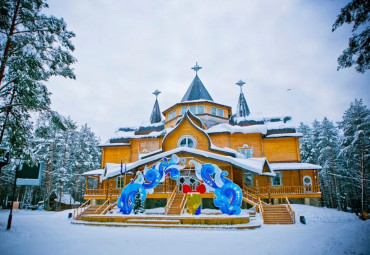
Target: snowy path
330, 232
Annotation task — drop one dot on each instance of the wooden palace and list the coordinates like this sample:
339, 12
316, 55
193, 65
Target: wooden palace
260, 155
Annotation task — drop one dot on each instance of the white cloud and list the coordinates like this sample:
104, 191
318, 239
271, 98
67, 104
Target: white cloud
127, 49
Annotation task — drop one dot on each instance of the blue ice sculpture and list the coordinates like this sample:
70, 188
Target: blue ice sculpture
147, 180
228, 194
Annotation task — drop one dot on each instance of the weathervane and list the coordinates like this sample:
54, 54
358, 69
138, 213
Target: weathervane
156, 93
240, 83
196, 68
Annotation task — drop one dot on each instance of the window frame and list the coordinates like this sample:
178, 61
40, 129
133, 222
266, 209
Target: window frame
120, 180
220, 110
213, 111
279, 174
187, 137
203, 109
184, 109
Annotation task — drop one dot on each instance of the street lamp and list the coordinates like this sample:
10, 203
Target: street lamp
18, 167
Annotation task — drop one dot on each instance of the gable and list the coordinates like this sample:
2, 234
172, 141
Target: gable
186, 127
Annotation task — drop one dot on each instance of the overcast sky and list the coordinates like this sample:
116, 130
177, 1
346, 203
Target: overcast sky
284, 50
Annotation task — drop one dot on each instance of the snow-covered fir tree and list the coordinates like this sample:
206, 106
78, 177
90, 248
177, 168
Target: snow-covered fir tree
138, 205
356, 149
306, 143
328, 147
33, 47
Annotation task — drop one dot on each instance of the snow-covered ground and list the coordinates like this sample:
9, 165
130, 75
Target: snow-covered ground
327, 232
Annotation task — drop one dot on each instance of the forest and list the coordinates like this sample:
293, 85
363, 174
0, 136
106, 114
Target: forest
342, 149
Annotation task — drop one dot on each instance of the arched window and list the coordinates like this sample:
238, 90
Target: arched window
187, 141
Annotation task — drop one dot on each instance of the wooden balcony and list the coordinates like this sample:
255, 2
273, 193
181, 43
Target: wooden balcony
264, 192
287, 191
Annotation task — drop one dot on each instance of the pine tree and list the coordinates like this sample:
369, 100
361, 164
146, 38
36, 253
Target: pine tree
138, 205
306, 143
328, 147
33, 47
357, 53
355, 148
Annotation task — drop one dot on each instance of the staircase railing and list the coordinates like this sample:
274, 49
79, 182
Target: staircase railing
261, 207
170, 201
291, 212
102, 207
81, 209
109, 207
182, 205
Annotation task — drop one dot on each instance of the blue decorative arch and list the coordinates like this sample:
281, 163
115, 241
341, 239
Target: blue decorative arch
228, 194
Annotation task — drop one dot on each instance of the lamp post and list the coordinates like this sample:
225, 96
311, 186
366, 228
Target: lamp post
18, 163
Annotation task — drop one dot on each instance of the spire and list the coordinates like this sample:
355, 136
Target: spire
196, 90
242, 109
196, 68
156, 113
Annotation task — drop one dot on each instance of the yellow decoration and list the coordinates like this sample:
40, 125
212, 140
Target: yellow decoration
192, 202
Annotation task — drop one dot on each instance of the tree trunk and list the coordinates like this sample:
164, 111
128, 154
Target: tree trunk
8, 42
8, 110
51, 167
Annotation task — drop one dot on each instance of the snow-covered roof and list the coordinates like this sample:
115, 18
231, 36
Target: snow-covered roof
294, 166
93, 172
113, 144
156, 116
196, 91
242, 109
285, 135
131, 134
227, 128
255, 165
66, 199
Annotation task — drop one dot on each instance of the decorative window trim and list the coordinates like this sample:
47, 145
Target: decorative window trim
246, 150
304, 177
187, 137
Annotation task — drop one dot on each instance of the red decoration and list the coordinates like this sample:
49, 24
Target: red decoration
187, 189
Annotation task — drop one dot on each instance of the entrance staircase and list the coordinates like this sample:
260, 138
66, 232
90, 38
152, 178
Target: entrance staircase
175, 204
277, 214
272, 214
87, 208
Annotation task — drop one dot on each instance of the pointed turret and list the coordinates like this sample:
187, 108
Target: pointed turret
156, 115
196, 90
242, 109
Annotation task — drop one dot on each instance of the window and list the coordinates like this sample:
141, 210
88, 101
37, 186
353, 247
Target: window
248, 179
119, 182
246, 150
174, 114
307, 181
213, 110
277, 180
200, 109
170, 116
193, 109
220, 112
183, 110
187, 141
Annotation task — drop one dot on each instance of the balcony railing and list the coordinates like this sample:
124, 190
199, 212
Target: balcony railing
95, 192
287, 190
